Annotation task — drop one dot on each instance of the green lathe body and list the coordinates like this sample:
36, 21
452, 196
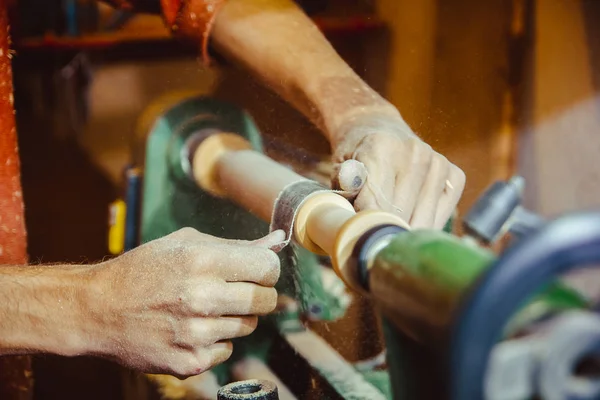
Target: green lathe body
420, 277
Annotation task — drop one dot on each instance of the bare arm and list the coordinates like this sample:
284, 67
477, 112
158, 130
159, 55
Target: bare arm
42, 309
282, 46
168, 306
277, 42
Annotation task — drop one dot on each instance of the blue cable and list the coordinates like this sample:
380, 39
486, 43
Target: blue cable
562, 245
72, 27
132, 200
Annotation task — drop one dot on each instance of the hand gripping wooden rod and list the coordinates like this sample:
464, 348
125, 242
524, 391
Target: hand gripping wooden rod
225, 165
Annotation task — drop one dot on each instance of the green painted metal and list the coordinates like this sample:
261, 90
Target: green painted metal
171, 200
433, 269
315, 301
449, 227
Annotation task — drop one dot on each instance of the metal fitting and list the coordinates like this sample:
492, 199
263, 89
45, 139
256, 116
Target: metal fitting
253, 389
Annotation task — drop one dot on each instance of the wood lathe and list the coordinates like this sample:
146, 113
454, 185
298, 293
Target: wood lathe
205, 159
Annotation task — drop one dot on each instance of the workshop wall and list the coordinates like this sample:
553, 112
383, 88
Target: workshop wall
448, 75
107, 136
559, 138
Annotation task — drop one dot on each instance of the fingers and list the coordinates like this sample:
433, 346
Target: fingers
450, 197
376, 193
409, 185
411, 181
235, 299
271, 241
246, 264
208, 331
430, 196
249, 299
235, 261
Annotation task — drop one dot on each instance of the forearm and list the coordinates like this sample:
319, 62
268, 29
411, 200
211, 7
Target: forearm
42, 310
277, 41
283, 47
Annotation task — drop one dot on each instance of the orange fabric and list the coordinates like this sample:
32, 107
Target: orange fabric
193, 19
15, 372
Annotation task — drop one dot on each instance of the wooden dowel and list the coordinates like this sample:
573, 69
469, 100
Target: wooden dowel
326, 223
253, 180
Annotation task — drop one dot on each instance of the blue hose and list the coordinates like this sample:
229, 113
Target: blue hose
565, 244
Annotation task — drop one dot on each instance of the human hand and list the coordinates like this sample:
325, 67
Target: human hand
172, 305
396, 171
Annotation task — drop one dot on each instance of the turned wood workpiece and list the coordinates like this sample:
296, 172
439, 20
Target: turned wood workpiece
322, 220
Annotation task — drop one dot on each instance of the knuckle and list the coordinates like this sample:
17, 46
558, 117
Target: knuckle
459, 175
424, 149
195, 331
441, 160
422, 158
186, 232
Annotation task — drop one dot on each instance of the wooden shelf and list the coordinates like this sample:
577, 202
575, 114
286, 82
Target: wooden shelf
155, 32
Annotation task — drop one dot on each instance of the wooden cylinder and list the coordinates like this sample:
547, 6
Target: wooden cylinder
326, 215
254, 181
225, 166
325, 222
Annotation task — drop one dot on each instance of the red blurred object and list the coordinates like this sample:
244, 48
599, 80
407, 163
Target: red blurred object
15, 372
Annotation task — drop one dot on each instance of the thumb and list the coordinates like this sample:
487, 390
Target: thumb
351, 176
273, 241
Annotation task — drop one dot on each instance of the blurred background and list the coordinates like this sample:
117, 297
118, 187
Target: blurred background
498, 86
